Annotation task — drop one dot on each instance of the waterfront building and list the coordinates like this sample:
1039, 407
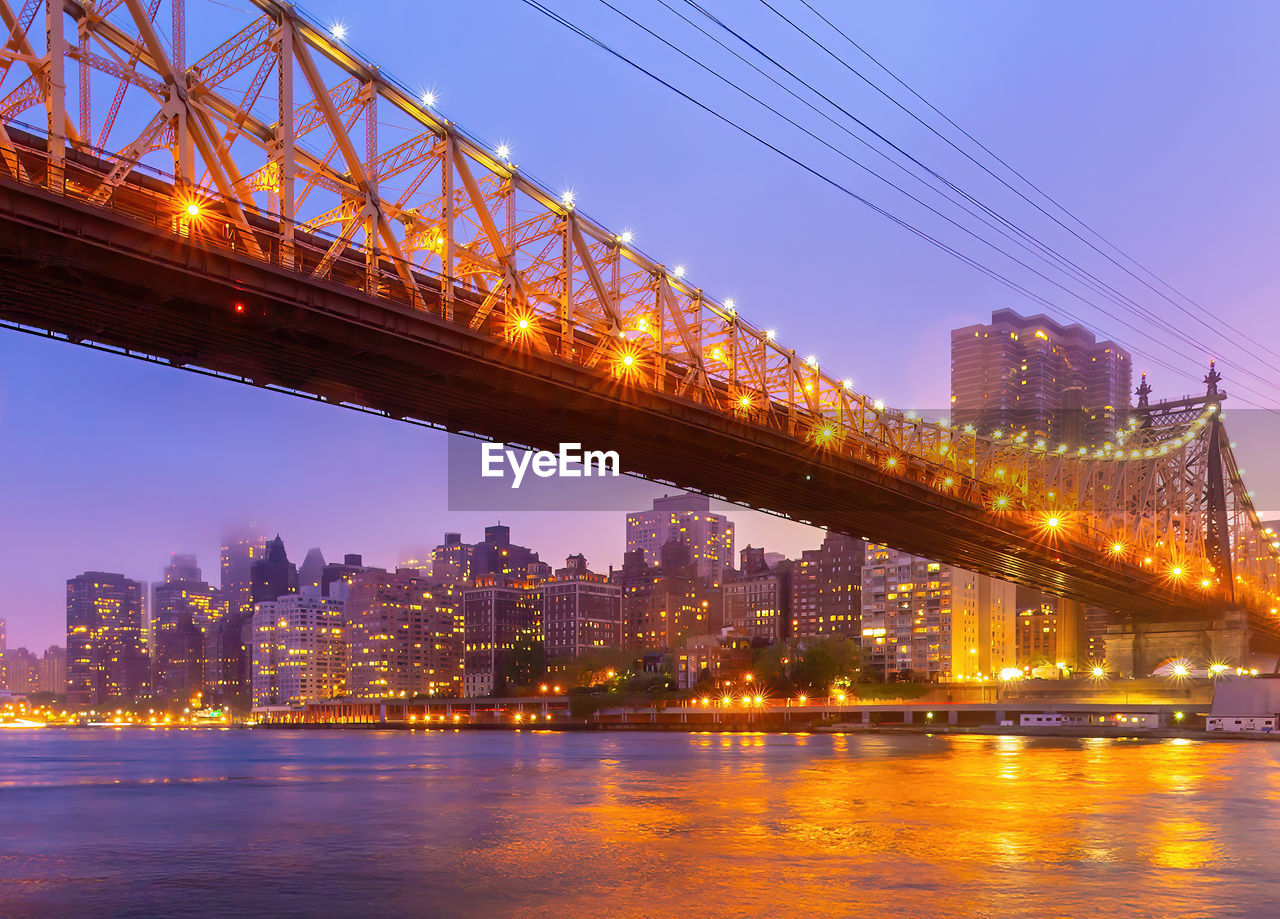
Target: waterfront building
714, 661
925, 621
107, 659
581, 611
1029, 373
19, 671
53, 670
826, 589
299, 649
240, 550
404, 636
502, 616
1037, 628
662, 606
183, 608
686, 519
757, 601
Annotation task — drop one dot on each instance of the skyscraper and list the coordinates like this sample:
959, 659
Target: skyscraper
183, 607
1029, 373
107, 661
687, 519
240, 549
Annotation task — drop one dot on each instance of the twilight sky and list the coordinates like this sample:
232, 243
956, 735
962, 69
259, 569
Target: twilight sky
1154, 122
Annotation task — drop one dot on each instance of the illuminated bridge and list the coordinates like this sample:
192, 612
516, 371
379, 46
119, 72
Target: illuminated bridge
281, 212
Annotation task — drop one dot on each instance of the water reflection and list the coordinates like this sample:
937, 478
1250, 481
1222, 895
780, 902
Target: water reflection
469, 824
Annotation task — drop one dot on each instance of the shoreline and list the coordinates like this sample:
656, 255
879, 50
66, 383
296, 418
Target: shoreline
838, 729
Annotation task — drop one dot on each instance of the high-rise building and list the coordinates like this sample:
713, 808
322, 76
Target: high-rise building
581, 611
926, 621
757, 601
826, 589
451, 560
1029, 373
240, 549
21, 671
107, 660
404, 636
226, 657
1037, 628
686, 519
311, 574
299, 649
664, 605
183, 609
336, 577
53, 670
502, 616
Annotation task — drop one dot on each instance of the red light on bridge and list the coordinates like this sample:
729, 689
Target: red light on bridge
239, 307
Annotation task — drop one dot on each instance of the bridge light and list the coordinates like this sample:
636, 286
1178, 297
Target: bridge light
338, 31
428, 99
1176, 571
717, 355
523, 323
678, 271
1205, 583
948, 481
567, 197
731, 305
193, 209
1098, 672
504, 152
891, 462
744, 401
771, 334
1001, 502
812, 361
1117, 548
1010, 673
626, 236
1181, 670
1053, 522
847, 384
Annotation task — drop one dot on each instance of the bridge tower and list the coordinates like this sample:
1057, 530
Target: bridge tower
1137, 648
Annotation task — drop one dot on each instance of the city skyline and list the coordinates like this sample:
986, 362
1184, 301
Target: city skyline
166, 476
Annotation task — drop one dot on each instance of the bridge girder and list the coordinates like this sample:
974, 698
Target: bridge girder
309, 188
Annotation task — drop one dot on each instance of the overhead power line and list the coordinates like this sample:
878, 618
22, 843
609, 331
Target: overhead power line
823, 177
1215, 329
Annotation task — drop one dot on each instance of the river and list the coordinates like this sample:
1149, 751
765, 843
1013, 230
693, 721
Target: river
153, 823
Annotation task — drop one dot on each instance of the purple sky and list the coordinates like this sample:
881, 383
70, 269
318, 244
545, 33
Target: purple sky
1153, 121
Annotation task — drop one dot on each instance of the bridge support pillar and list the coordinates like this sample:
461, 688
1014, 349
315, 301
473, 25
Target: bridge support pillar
1136, 649
1073, 645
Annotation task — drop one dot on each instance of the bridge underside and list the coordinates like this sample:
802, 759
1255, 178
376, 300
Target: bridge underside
88, 274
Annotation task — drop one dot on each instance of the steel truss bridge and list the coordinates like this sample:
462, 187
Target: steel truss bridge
281, 212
